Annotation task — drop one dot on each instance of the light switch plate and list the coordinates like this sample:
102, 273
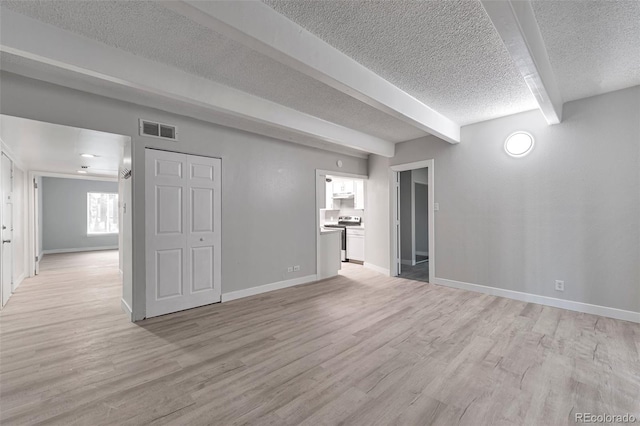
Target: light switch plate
436, 206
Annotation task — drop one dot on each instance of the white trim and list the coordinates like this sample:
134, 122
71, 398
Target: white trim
320, 172
79, 249
542, 300
422, 253
412, 166
376, 268
252, 291
18, 281
17, 161
72, 176
126, 308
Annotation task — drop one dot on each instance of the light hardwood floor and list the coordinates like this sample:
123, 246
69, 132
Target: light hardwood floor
359, 349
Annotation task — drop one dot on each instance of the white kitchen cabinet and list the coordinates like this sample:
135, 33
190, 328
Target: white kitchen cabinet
342, 186
355, 244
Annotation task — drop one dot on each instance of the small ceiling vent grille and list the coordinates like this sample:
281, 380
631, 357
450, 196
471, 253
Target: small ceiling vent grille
158, 130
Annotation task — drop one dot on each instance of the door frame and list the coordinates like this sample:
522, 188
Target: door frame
320, 172
394, 183
31, 231
2, 246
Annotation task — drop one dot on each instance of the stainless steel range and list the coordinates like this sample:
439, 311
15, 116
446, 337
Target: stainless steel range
343, 223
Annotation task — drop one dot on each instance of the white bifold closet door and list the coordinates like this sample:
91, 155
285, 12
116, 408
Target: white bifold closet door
182, 203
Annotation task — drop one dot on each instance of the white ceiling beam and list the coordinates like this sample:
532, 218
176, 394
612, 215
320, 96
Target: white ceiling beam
516, 23
33, 40
259, 27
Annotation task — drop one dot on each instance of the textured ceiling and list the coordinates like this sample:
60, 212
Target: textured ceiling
149, 30
54, 148
593, 46
445, 53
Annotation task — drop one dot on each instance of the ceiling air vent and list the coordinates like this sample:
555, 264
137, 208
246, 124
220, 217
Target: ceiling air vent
158, 130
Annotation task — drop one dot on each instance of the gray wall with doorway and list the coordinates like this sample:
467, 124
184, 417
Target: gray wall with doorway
570, 210
64, 214
268, 190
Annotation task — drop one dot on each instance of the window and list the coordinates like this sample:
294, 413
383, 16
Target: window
102, 213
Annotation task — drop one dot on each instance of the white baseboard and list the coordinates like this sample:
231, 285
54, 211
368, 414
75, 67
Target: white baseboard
76, 250
406, 262
423, 253
377, 268
126, 308
232, 295
543, 300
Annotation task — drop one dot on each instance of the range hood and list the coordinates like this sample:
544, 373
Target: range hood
343, 195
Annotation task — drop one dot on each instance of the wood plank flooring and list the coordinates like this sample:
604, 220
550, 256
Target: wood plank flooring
418, 272
359, 349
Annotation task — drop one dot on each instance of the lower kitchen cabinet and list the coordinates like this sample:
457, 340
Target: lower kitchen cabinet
355, 244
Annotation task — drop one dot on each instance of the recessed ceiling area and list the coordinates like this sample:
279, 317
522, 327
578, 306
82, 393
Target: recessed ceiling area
347, 76
53, 148
593, 46
445, 53
151, 31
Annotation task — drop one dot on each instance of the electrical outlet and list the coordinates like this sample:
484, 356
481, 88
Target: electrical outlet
296, 268
559, 285
290, 269
436, 206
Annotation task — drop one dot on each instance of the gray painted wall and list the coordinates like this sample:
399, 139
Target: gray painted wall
570, 210
64, 214
268, 185
19, 235
405, 216
376, 242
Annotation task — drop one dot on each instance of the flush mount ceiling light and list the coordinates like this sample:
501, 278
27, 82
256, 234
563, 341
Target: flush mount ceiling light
83, 172
518, 144
88, 155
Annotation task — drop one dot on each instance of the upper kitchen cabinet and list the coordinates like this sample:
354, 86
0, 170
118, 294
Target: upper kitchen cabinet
342, 187
344, 193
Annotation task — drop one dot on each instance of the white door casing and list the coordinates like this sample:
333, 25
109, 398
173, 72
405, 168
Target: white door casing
36, 227
183, 236
7, 229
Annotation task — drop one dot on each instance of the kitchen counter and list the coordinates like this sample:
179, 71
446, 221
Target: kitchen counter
335, 223
329, 246
324, 230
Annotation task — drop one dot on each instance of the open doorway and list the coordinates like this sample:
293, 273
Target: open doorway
77, 199
414, 224
413, 221
340, 221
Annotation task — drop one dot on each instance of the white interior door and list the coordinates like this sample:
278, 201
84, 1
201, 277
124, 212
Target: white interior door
182, 231
7, 229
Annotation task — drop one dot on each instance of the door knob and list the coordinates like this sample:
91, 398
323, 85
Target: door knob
201, 239
6, 241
